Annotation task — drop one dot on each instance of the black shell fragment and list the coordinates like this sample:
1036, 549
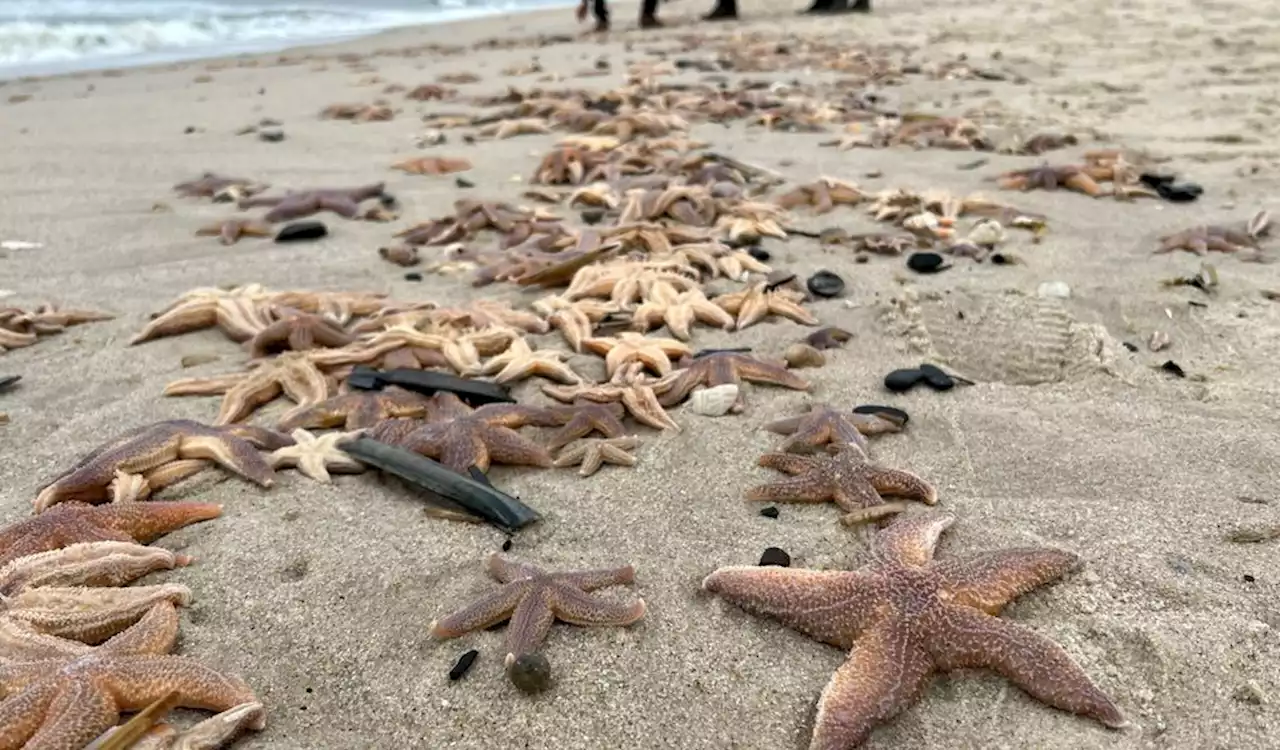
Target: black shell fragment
301, 230
889, 413
825, 284
775, 556
899, 381
463, 665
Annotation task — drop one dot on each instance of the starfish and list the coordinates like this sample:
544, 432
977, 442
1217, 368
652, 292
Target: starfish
905, 616
72, 523
210, 185
150, 446
315, 456
62, 701
520, 362
229, 231
293, 373
678, 310
83, 614
653, 353
359, 409
298, 331
576, 320
630, 388
1046, 177
241, 312
758, 301
584, 417
344, 202
720, 368
87, 564
1223, 239
594, 453
533, 599
460, 437
460, 349
824, 195
432, 165
823, 425
847, 478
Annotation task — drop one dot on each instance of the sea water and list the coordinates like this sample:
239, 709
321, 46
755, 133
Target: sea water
50, 36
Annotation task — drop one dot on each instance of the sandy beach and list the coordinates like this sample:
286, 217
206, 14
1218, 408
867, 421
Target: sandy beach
320, 595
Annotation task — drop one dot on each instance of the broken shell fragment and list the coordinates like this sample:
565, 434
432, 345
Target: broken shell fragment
715, 401
802, 355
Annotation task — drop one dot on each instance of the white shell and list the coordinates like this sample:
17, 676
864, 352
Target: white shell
987, 232
926, 221
715, 401
1054, 289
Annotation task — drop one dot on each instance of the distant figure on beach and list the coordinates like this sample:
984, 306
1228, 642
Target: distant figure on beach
725, 10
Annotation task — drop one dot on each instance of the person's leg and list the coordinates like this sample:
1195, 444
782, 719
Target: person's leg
600, 9
725, 10
649, 15
839, 6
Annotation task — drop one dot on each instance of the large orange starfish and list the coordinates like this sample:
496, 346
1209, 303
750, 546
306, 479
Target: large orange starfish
70, 523
61, 703
904, 617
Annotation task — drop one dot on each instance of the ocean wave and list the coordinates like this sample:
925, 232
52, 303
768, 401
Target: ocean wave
60, 31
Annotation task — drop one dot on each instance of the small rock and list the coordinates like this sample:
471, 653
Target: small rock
463, 665
926, 263
531, 673
775, 556
769, 512
1250, 692
463, 182
715, 401
4, 417
759, 253
507, 544
8, 381
828, 338
401, 255
592, 216
825, 284
413, 276
1174, 369
301, 230
1053, 290
273, 135
799, 356
1159, 340
201, 358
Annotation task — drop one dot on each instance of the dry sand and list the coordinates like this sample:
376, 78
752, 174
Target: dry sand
320, 595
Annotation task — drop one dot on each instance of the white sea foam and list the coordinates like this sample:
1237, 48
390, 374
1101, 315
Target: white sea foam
47, 35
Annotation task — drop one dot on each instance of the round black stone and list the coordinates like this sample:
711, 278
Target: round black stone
413, 276
899, 381
463, 665
825, 284
935, 378
300, 231
769, 512
775, 556
531, 673
925, 262
506, 545
759, 253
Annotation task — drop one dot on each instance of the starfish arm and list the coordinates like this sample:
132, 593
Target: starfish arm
591, 580
242, 319
243, 399
506, 570
137, 451
22, 714
331, 413
643, 404
516, 416
191, 316
91, 615
617, 455
793, 490
855, 497
488, 610
510, 447
214, 386
786, 426
901, 483
268, 339
148, 521
87, 564
530, 623
258, 437
990, 581
172, 473
577, 607
779, 305
579, 426
217, 731
754, 371
831, 606
79, 713
910, 540
788, 463
232, 453
304, 384
754, 308
155, 633
676, 387
884, 676
137, 681
1083, 183
1219, 245
964, 638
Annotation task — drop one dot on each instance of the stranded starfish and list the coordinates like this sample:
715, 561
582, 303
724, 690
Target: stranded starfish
87, 564
229, 231
629, 387
678, 311
905, 617
1223, 239
593, 453
71, 523
533, 599
460, 437
847, 478
653, 353
520, 362
359, 409
823, 425
344, 202
315, 456
1050, 178
720, 368
151, 446
84, 614
298, 331
241, 312
584, 418
758, 301
293, 373
66, 702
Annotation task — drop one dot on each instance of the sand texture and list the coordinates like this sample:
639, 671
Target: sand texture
320, 595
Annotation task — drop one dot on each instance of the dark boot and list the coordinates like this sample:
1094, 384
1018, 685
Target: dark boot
725, 10
649, 15
824, 7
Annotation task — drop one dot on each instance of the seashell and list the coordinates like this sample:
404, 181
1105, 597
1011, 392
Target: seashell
715, 401
922, 222
988, 233
1159, 340
1054, 289
803, 355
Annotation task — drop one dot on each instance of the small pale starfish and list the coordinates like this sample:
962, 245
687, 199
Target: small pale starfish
356, 410
1046, 177
905, 617
299, 331
585, 417
847, 478
654, 353
721, 368
293, 374
315, 456
533, 599
229, 231
520, 361
593, 453
629, 387
240, 312
150, 446
72, 523
575, 320
678, 311
757, 302
87, 564
823, 425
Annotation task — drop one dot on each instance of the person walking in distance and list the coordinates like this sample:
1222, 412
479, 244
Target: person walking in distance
600, 9
727, 10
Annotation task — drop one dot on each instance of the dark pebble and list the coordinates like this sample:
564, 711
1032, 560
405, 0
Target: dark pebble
899, 381
271, 136
778, 279
506, 544
926, 263
825, 284
189, 130
999, 259
592, 216
828, 338
1174, 369
769, 512
1247, 578
1131, 347
8, 381
464, 665
1154, 180
775, 556
897, 416
388, 200
1182, 192
759, 253
301, 230
413, 276
936, 379
463, 182
530, 673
